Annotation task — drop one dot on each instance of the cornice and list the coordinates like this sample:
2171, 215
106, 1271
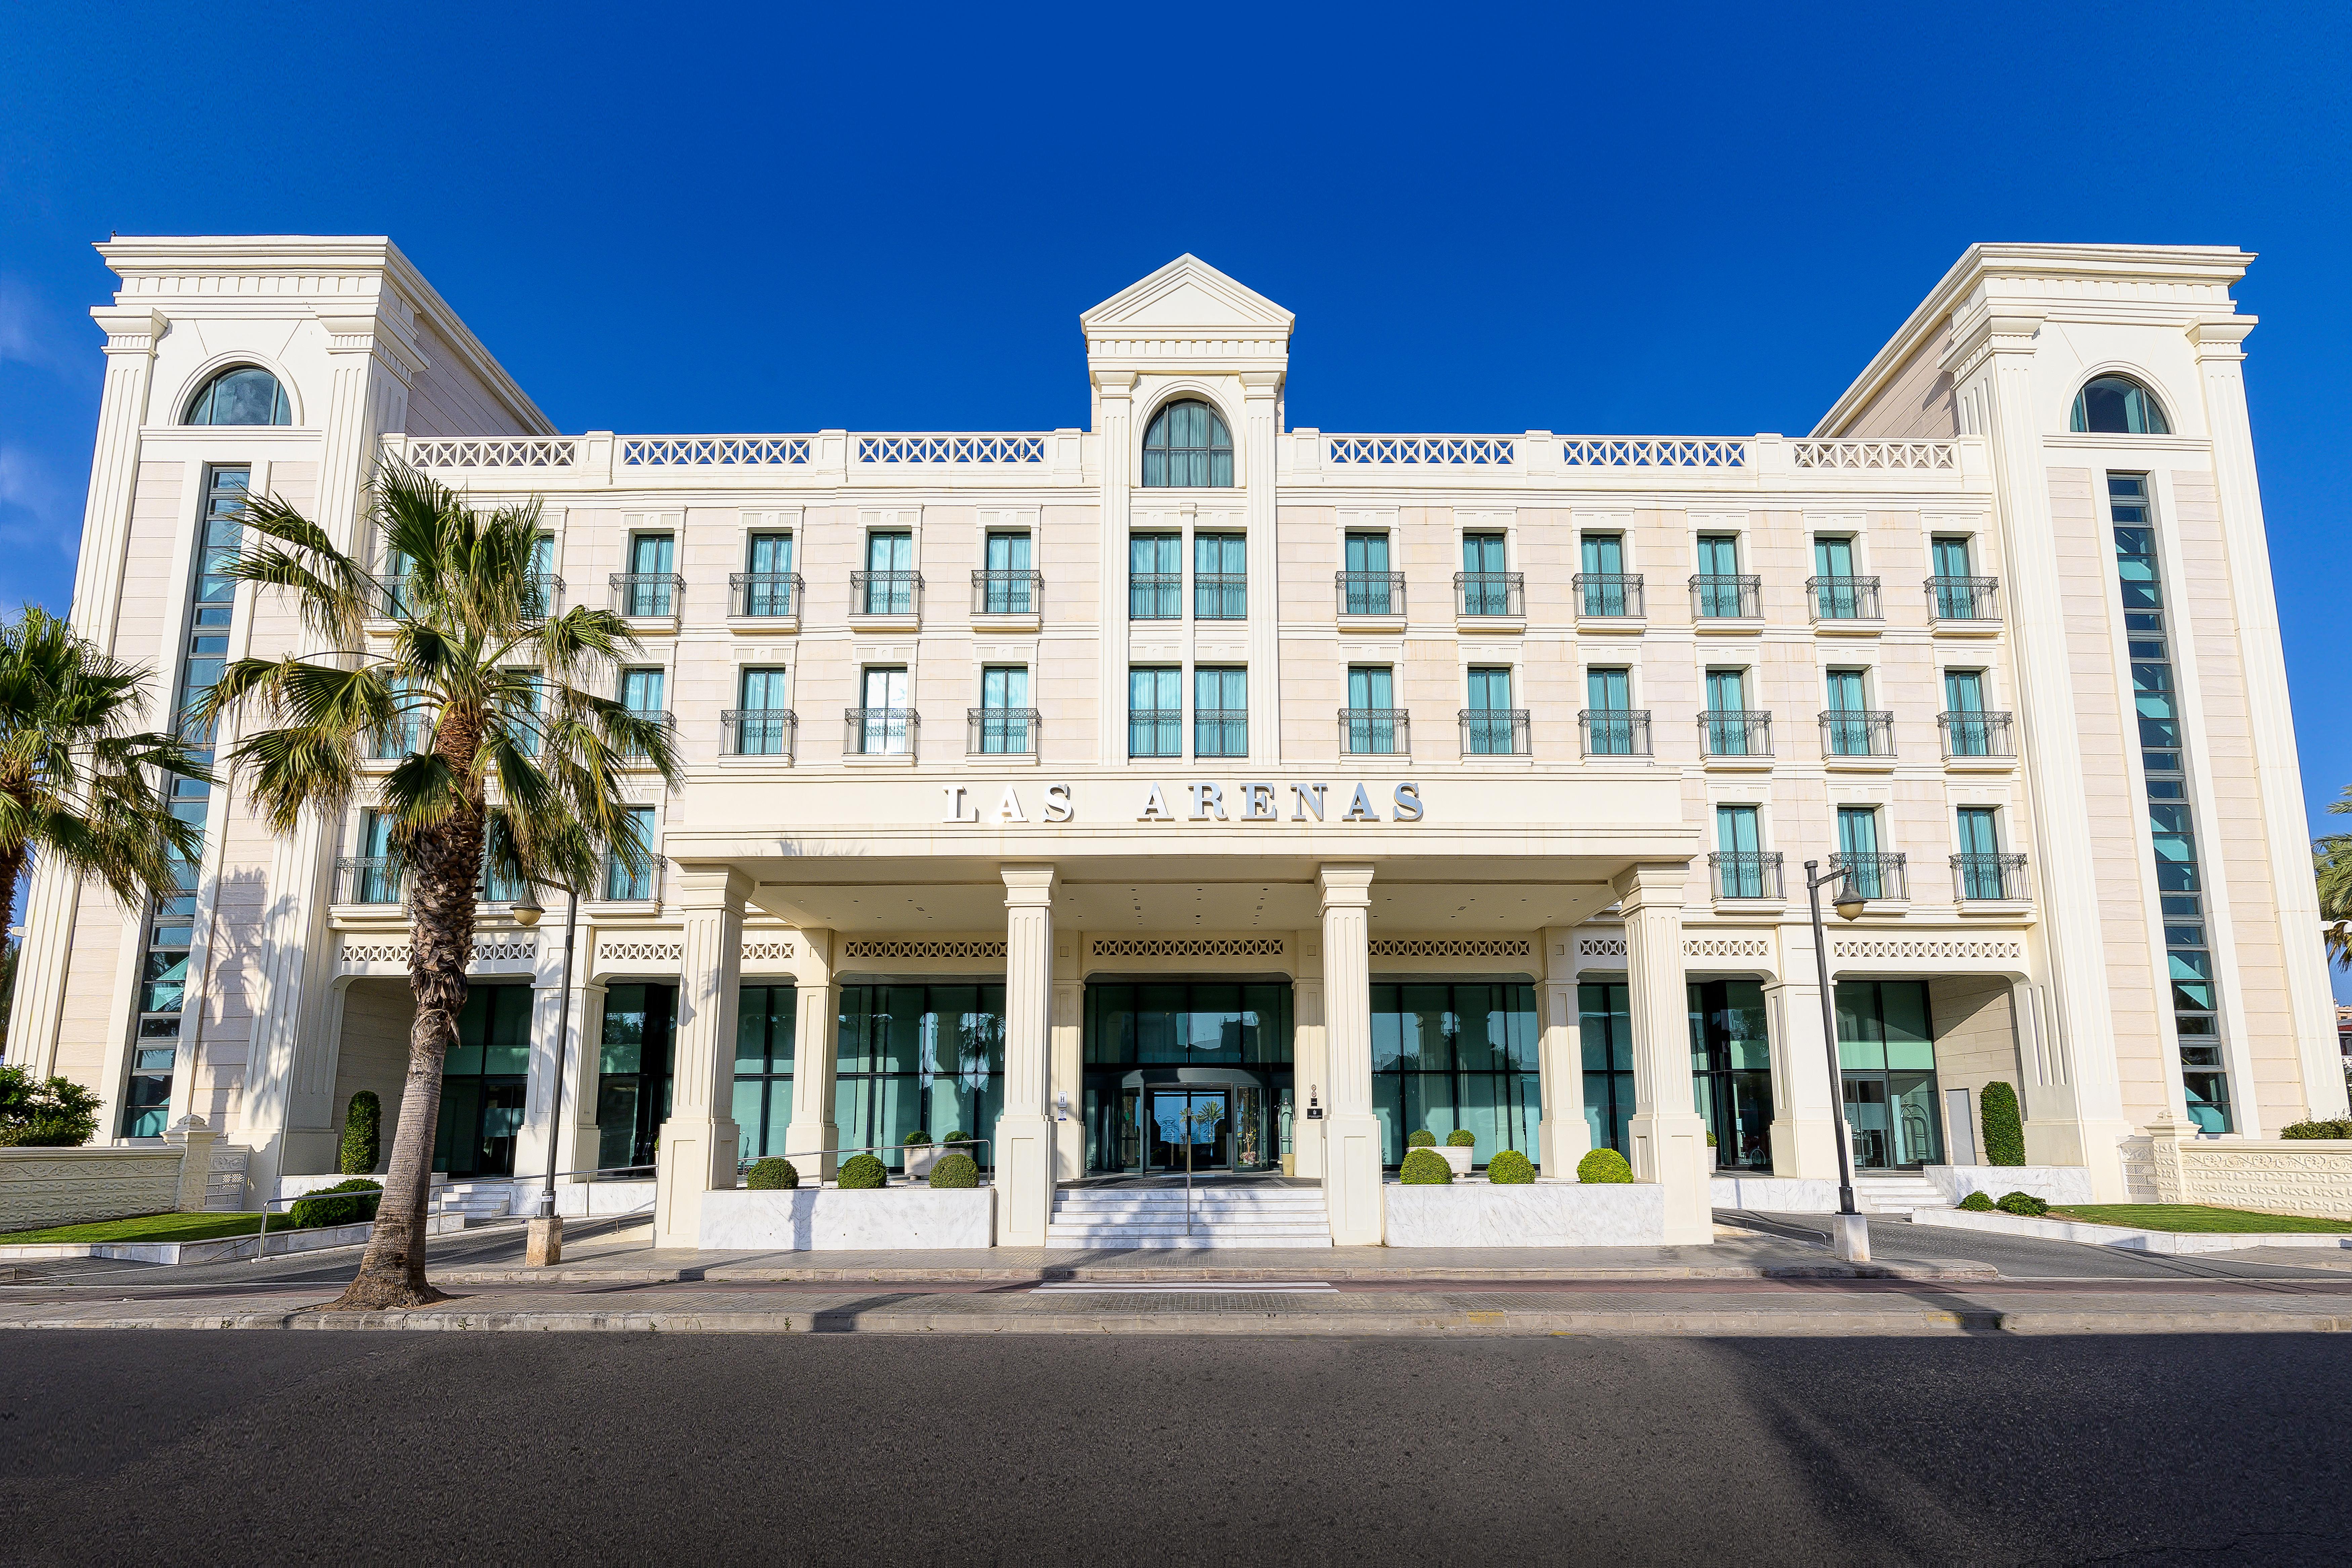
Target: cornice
1987, 333
129, 330
2222, 338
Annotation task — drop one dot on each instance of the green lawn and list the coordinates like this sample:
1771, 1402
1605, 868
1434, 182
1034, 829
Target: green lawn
146, 1227
2184, 1218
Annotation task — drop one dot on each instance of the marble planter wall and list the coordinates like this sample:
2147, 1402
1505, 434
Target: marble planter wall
2051, 1183
1543, 1213
43, 1187
829, 1219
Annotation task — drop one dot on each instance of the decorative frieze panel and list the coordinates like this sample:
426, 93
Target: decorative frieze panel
508, 453
952, 448
872, 948
766, 951
1873, 454
1726, 947
1452, 947
1481, 451
1601, 947
1857, 947
1188, 947
2307, 1176
713, 451
493, 952
1651, 452
641, 952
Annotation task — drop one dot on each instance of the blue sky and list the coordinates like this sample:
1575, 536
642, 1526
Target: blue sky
1644, 219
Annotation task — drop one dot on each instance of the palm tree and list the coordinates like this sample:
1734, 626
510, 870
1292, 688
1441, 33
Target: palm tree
75, 777
2331, 862
506, 767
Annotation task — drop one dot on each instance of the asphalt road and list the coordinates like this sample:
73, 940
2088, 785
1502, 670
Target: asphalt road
419, 1447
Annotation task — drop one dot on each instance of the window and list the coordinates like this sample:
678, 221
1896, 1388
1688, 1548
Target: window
1866, 869
1980, 862
1610, 729
763, 724
633, 1080
885, 725
1485, 581
1887, 1056
623, 886
1491, 727
641, 691
2117, 405
1155, 577
1956, 592
1005, 720
1731, 1070
1849, 728
1007, 582
1605, 1033
375, 877
649, 587
1139, 1041
1968, 733
928, 1057
1220, 711
1220, 577
1719, 591
1375, 724
1838, 594
889, 588
245, 395
1605, 589
1367, 588
768, 575
1188, 446
1448, 1057
1155, 711
482, 1082
1742, 870
764, 1027
1729, 726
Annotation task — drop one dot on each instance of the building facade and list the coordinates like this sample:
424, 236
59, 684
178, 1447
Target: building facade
1201, 786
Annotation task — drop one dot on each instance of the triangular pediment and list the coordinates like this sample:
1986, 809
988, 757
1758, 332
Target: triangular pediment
1188, 295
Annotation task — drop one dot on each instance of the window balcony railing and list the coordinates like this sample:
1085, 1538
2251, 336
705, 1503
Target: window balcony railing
1875, 876
886, 592
759, 732
1001, 732
1155, 596
371, 880
1746, 873
998, 591
1857, 732
403, 739
1220, 596
1726, 597
1375, 731
1976, 734
1988, 879
1608, 595
1490, 594
1155, 732
1734, 732
542, 591
880, 732
667, 722
1963, 598
1371, 593
647, 596
1221, 731
1843, 598
1494, 732
766, 596
643, 886
1615, 731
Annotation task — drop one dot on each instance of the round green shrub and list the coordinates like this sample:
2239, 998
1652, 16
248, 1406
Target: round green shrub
956, 1171
2022, 1204
1462, 1138
1425, 1167
1710, 1141
1603, 1165
773, 1175
1421, 1138
951, 1136
1511, 1169
919, 1138
2005, 1132
862, 1170
2342, 1129
322, 1208
1979, 1203
362, 1134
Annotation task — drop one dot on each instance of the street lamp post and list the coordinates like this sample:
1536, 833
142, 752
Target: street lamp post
1853, 1237
545, 1242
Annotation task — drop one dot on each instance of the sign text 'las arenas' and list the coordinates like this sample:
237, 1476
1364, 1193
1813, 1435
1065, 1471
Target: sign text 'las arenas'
1251, 800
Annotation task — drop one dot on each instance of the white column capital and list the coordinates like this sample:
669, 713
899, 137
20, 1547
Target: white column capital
711, 887
130, 329
1345, 887
1261, 384
1116, 383
1639, 886
1028, 886
2222, 338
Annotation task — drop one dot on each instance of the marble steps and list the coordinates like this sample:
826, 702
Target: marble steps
1130, 1217
1897, 1196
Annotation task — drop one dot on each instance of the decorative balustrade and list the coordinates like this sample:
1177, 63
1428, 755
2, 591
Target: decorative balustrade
1494, 732
1444, 451
647, 596
1500, 594
765, 595
886, 592
1726, 597
371, 880
1615, 731
1375, 731
1221, 731
957, 449
1220, 596
880, 732
1746, 873
759, 732
1988, 879
640, 885
1843, 598
1001, 732
1608, 595
1652, 452
495, 452
1873, 455
1857, 732
999, 591
1155, 731
1734, 732
1963, 598
713, 451
1875, 877
1155, 596
1371, 593
1975, 734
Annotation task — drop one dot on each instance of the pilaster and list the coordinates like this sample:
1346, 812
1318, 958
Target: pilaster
1564, 1137
1025, 1132
813, 1136
1261, 429
1351, 1137
1114, 424
1807, 1115
699, 1141
1667, 1139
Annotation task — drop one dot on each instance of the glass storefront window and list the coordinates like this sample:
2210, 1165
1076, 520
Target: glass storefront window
1886, 1047
763, 1068
926, 1056
1731, 1070
1449, 1056
483, 1079
634, 1072
1605, 1027
1158, 1053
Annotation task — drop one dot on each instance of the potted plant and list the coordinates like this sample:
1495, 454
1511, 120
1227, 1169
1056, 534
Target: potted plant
1461, 1147
1714, 1154
921, 1153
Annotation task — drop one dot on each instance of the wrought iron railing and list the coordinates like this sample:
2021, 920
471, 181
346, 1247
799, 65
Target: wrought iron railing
643, 886
1843, 598
1746, 873
1857, 732
1988, 879
1371, 593
1490, 594
1608, 595
886, 592
1221, 731
1375, 731
880, 732
1969, 734
1155, 731
997, 590
1726, 597
766, 596
1734, 732
1964, 598
1155, 596
1220, 596
653, 596
1494, 732
1615, 731
649, 716
1001, 732
759, 732
371, 880
1875, 876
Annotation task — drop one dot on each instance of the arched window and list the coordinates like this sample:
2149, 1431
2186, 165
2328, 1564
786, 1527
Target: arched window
1188, 445
245, 395
2118, 405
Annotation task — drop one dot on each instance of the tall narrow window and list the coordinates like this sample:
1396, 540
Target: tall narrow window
1609, 725
1220, 577
768, 580
1485, 576
641, 690
376, 879
1367, 588
1739, 854
763, 723
889, 574
1220, 711
764, 1027
2180, 874
1374, 722
1979, 864
1967, 732
1728, 720
1849, 727
1008, 584
1956, 592
543, 581
1005, 718
1155, 577
1838, 594
1491, 727
1187, 445
884, 723
1605, 1031
651, 586
1155, 711
1605, 589
1719, 591
623, 885
1858, 850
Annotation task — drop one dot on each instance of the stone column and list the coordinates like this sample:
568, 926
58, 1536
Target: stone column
1806, 1115
1025, 1132
583, 1145
1351, 1134
1565, 1137
813, 1136
194, 1140
699, 1140
1310, 1075
1066, 1084
1669, 1141
1114, 422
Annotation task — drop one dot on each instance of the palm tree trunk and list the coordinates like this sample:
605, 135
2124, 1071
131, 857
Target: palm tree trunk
12, 865
442, 869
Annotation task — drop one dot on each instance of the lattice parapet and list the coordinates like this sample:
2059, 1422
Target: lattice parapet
492, 951
526, 452
1875, 454
713, 451
1478, 451
952, 448
869, 948
1924, 947
1450, 947
1188, 947
641, 952
1652, 452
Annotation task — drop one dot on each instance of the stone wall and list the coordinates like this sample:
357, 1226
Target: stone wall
2281, 1175
43, 1187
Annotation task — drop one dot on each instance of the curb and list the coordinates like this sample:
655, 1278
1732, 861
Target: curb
723, 1274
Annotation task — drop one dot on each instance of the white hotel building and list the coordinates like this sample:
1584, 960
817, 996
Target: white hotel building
1051, 785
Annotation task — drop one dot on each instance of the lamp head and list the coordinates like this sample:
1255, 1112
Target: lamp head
1848, 901
526, 910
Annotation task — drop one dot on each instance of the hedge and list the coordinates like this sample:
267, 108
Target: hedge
773, 1175
2317, 1129
2005, 1132
1421, 1138
1462, 1138
1603, 1165
362, 1134
1425, 1167
1979, 1203
862, 1170
2022, 1204
918, 1139
956, 1171
322, 1208
1511, 1169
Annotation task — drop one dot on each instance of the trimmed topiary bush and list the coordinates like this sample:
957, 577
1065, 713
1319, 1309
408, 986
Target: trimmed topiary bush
362, 1134
1979, 1203
2316, 1130
862, 1170
1511, 1169
1421, 1138
2023, 1205
956, 1171
1603, 1165
322, 1208
1462, 1138
1710, 1141
2004, 1131
1425, 1167
918, 1139
773, 1175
